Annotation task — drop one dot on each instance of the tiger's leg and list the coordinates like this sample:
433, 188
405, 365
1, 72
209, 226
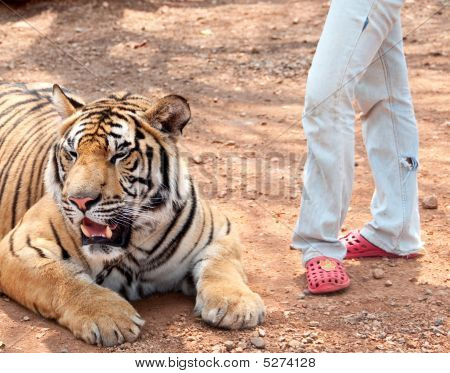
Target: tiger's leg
223, 296
33, 273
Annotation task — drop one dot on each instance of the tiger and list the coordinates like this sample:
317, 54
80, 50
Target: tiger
98, 209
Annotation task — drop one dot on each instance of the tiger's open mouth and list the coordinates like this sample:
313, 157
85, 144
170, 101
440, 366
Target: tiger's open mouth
111, 235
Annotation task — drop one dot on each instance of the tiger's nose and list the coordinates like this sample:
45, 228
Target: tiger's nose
85, 203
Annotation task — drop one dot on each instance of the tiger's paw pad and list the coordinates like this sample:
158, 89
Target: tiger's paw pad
234, 310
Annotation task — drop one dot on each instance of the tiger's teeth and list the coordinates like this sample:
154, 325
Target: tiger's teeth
85, 231
108, 232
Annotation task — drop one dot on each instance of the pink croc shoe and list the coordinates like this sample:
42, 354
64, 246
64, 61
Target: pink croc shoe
326, 275
358, 247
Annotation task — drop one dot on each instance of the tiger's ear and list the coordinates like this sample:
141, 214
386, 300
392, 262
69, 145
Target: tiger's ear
170, 114
64, 104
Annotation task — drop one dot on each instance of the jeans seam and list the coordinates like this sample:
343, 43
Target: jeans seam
338, 98
394, 131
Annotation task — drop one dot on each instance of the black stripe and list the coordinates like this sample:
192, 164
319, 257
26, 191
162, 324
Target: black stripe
198, 239
126, 272
39, 251
173, 245
40, 169
56, 166
16, 105
149, 154
18, 188
178, 213
64, 253
76, 104
228, 225
5, 174
11, 243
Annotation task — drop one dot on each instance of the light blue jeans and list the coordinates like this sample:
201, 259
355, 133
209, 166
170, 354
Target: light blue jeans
359, 57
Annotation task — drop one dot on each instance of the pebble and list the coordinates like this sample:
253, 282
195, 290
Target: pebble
378, 273
229, 345
294, 343
388, 283
216, 348
230, 143
301, 296
438, 322
430, 202
261, 332
258, 342
25, 318
2, 344
64, 350
314, 324
428, 292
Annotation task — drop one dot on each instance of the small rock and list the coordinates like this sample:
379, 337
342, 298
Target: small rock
64, 350
2, 345
222, 194
258, 342
25, 318
216, 348
295, 21
301, 296
428, 292
314, 324
294, 343
40, 335
282, 338
430, 202
388, 283
378, 273
230, 143
238, 349
439, 322
261, 332
229, 345
190, 338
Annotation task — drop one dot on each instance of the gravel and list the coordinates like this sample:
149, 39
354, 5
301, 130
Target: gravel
258, 342
229, 345
378, 273
430, 202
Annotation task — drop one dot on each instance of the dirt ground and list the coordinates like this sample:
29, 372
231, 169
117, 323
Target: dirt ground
243, 65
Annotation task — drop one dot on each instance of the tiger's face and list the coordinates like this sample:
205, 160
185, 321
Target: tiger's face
115, 169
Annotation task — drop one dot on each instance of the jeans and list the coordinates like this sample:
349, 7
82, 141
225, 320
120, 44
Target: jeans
359, 57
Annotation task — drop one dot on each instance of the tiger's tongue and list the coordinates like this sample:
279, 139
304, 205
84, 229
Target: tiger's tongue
92, 229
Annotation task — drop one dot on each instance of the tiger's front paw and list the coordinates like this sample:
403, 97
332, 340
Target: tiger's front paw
103, 318
230, 309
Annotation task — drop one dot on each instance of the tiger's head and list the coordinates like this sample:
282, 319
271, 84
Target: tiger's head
115, 169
